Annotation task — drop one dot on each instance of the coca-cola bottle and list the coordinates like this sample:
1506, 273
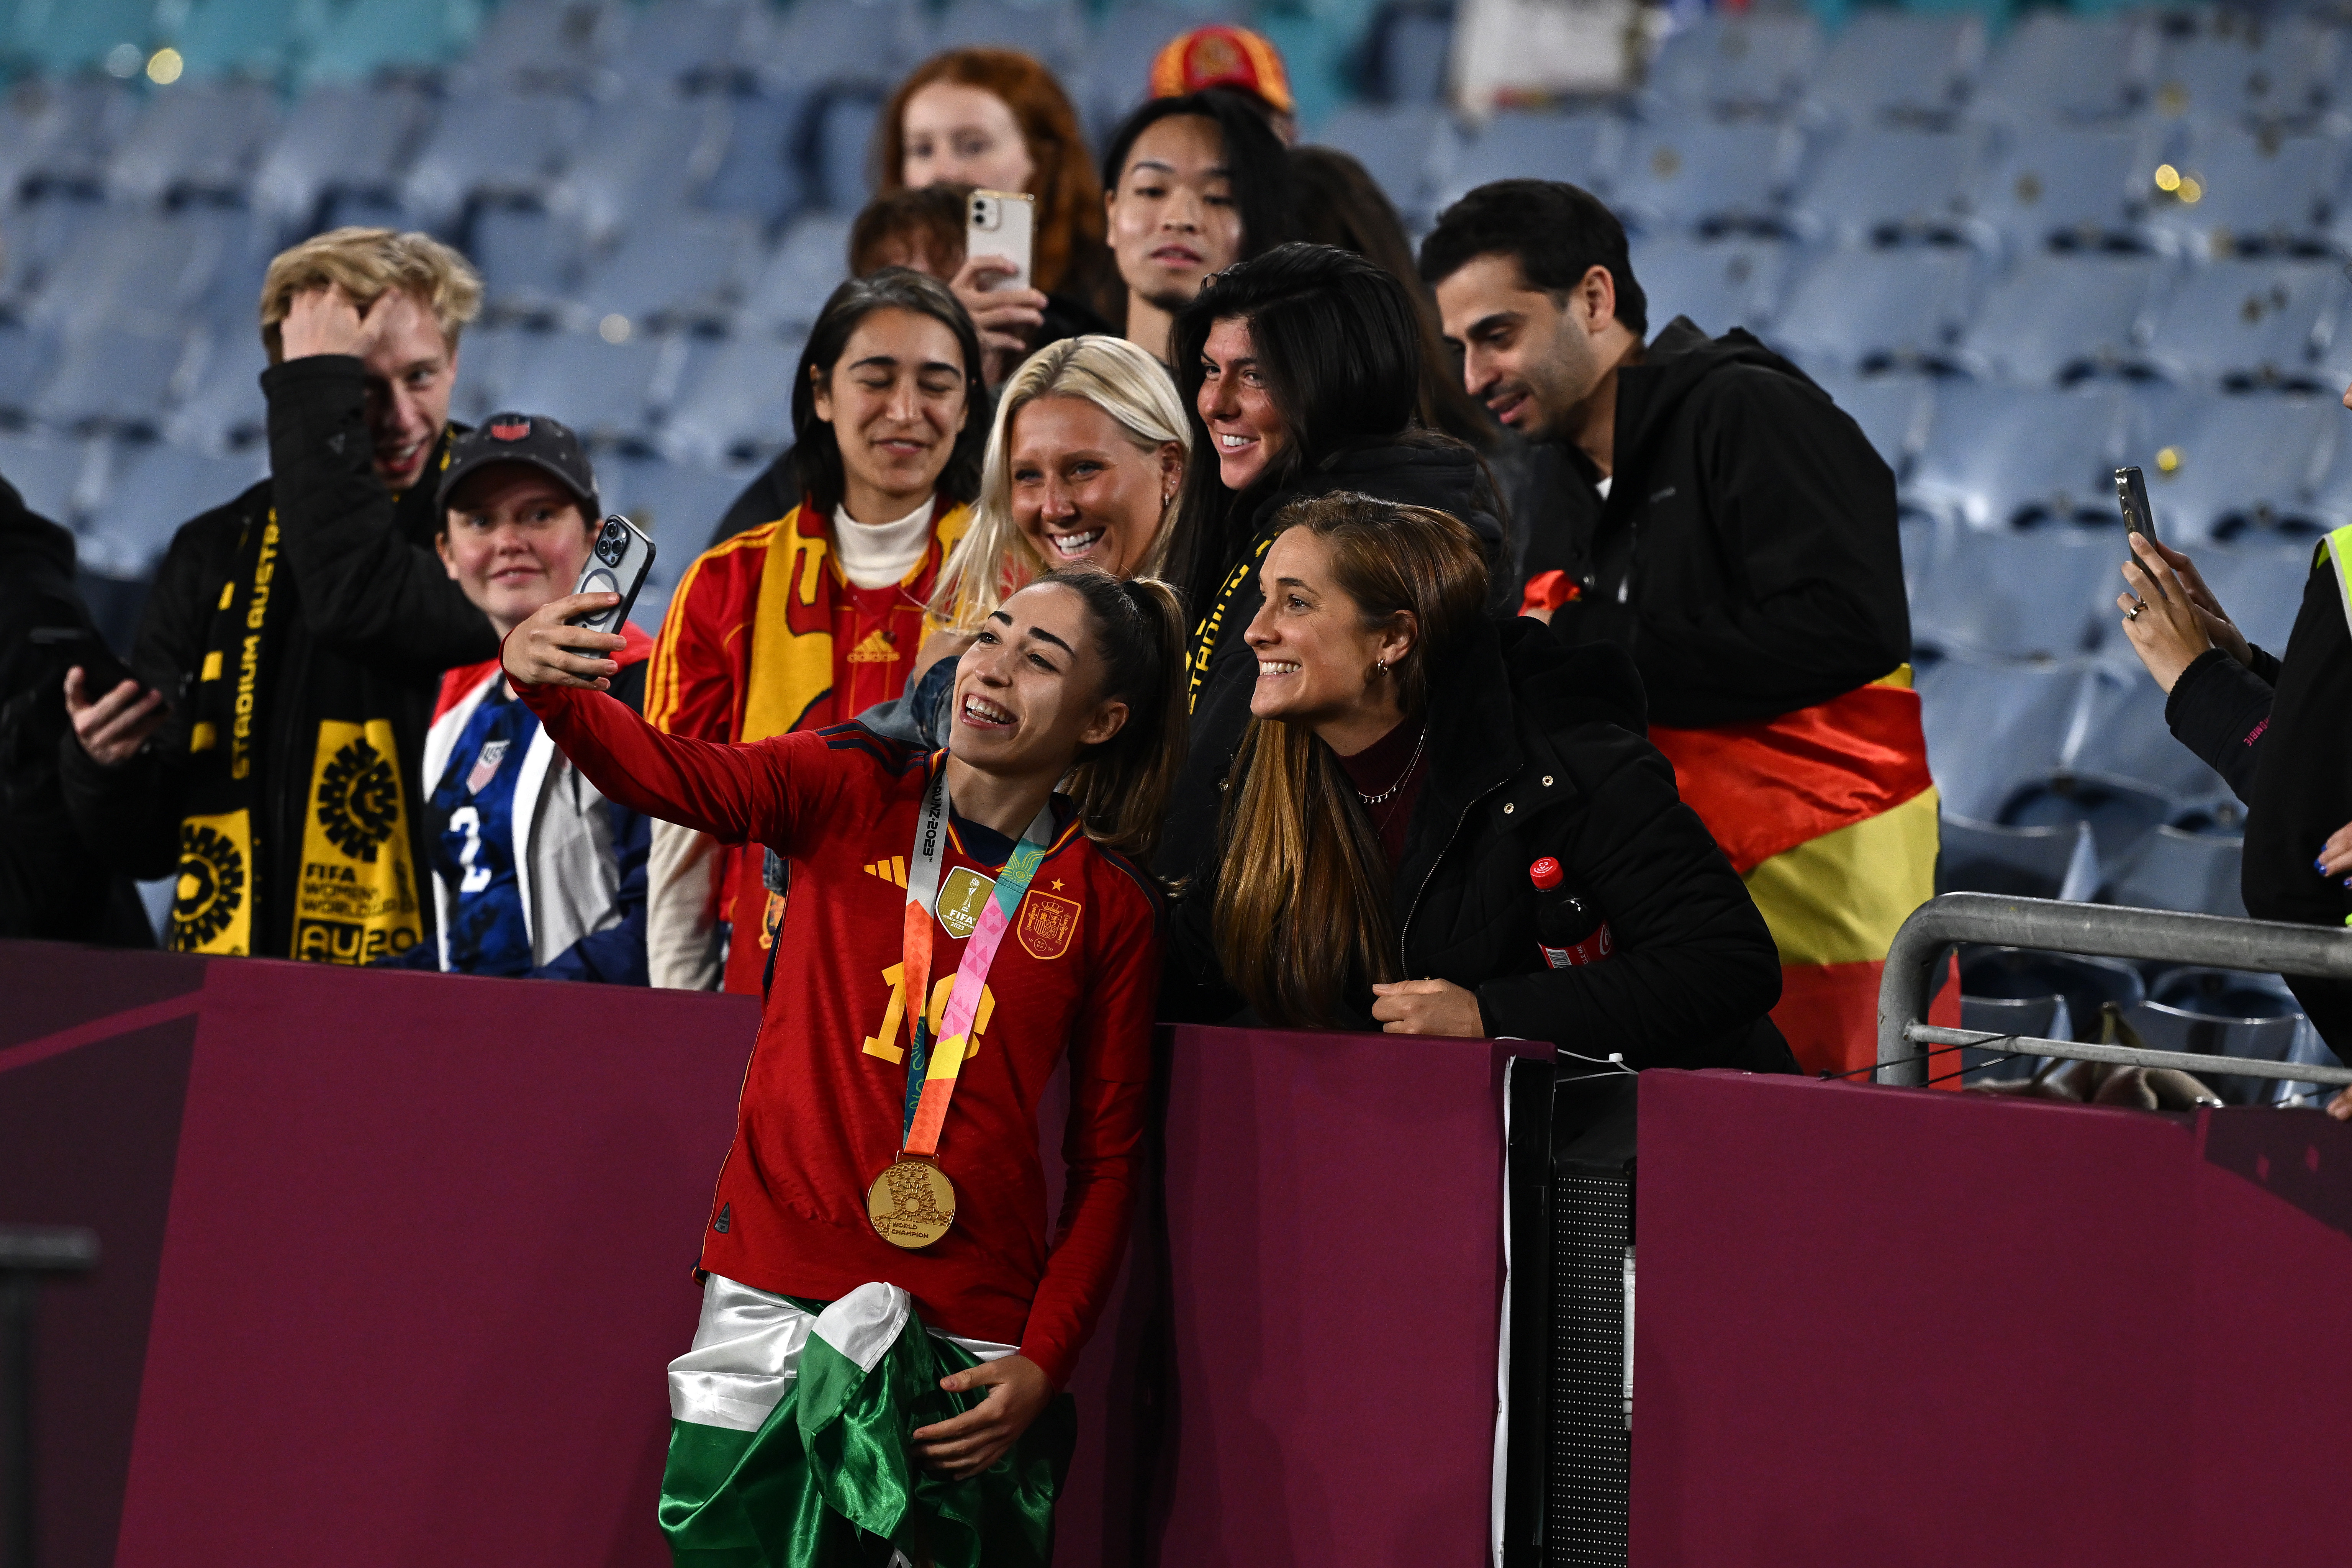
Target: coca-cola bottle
1570, 930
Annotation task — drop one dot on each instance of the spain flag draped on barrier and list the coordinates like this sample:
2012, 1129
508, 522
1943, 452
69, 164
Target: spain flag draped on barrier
1828, 815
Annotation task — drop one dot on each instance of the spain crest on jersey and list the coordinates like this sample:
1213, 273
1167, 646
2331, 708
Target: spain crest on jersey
1046, 924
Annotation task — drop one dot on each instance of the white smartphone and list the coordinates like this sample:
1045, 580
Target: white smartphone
1000, 222
617, 564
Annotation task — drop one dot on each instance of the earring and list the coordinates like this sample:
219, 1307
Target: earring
1380, 667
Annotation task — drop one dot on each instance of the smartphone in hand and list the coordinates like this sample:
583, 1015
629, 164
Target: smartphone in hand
618, 563
101, 671
1001, 223
2131, 494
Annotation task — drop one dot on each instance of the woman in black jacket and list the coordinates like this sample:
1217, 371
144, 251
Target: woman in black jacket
1407, 765
1301, 372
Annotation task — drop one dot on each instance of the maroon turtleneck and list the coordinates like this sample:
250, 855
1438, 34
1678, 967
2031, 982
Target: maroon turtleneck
1390, 763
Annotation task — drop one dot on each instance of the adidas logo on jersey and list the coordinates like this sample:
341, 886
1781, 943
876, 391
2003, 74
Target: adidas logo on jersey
875, 649
893, 871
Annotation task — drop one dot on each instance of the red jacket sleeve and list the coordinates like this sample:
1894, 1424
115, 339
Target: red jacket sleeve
762, 792
1110, 1071
700, 662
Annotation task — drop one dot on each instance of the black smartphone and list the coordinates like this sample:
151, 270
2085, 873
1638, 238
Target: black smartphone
101, 671
618, 563
2131, 494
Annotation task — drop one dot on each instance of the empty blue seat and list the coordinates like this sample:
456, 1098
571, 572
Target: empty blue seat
641, 159
357, 42
1736, 61
2260, 585
1885, 185
2238, 63
868, 42
2221, 1013
2081, 187
1719, 284
197, 139
602, 390
678, 504
136, 269
1702, 173
1996, 457
2126, 736
1052, 30
487, 358
251, 37
739, 408
693, 44
78, 37
529, 260
808, 265
2220, 466
2057, 66
53, 476
2037, 594
488, 146
156, 488
1877, 309
759, 175
2120, 814
2042, 861
2177, 871
340, 138
1993, 727
2248, 323
1891, 409
1399, 146
61, 131
686, 271
2086, 984
111, 379
1578, 148
539, 45
1888, 62
846, 120
225, 410
2237, 190
2060, 317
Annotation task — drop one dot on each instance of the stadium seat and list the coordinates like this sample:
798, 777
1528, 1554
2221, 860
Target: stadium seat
2220, 1012
1735, 62
61, 131
198, 139
1719, 284
1706, 175
339, 139
1891, 409
2056, 319
2175, 871
358, 43
77, 37
602, 390
1888, 185
2038, 862
225, 411
528, 260
544, 45
27, 356
253, 38
1579, 148
112, 379
759, 175
1406, 50
2080, 187
2248, 324
2124, 735
2033, 1017
1994, 727
2053, 65
1401, 147
1924, 541
2037, 594
2246, 190
640, 159
686, 270
845, 120
488, 146
1873, 310
2121, 815
487, 358
2260, 585
678, 504
870, 43
2086, 984
694, 46
156, 488
1996, 457
1899, 65
1120, 51
739, 408
132, 269
55, 477
807, 265
2220, 466
1053, 30
2238, 63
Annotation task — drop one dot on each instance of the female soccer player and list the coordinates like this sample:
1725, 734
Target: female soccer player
878, 1250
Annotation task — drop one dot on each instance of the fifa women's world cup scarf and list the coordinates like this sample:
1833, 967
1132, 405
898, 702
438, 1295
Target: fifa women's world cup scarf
356, 897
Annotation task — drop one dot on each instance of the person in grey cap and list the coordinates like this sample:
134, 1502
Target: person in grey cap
534, 871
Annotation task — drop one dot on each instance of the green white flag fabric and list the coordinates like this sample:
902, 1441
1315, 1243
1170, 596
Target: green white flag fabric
790, 1449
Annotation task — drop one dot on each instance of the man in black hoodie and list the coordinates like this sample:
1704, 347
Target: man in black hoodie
1721, 519
299, 631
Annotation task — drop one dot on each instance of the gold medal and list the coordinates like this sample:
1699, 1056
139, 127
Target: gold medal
911, 1203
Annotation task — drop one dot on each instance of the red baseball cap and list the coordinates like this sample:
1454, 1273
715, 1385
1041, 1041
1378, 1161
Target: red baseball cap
1221, 56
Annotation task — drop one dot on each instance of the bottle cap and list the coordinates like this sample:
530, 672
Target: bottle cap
1545, 874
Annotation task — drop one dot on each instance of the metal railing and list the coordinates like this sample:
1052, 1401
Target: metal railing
2107, 931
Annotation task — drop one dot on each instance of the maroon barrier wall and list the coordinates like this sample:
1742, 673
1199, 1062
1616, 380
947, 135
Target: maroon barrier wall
1879, 1326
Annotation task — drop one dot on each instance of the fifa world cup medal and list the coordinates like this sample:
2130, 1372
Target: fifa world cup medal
912, 1203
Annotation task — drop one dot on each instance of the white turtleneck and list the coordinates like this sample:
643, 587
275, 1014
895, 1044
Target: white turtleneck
877, 554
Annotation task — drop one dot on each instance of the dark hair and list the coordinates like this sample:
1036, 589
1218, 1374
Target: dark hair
1256, 162
1069, 235
816, 450
1339, 204
1122, 785
1302, 911
1340, 345
1557, 231
930, 216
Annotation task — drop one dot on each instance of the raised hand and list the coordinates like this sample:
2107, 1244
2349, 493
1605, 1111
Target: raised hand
545, 651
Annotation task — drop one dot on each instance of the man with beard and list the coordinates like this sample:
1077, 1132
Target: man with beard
296, 637
1723, 520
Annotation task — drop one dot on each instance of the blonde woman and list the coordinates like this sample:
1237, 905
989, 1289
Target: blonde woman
1082, 469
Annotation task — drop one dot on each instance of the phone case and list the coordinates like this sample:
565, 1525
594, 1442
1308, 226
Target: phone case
1002, 223
2131, 495
618, 564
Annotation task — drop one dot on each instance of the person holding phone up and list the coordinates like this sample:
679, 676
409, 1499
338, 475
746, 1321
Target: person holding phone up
886, 1311
534, 871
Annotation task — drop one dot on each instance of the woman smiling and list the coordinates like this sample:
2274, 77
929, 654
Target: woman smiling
817, 616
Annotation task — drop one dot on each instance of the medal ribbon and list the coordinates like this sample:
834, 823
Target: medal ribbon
931, 1074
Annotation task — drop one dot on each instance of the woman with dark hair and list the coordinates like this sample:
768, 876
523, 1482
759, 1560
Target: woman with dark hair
889, 1307
1442, 825
817, 616
1301, 369
996, 119
1191, 184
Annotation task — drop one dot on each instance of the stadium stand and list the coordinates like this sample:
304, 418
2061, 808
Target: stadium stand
2018, 250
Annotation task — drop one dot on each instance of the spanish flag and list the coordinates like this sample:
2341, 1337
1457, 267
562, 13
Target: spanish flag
1828, 815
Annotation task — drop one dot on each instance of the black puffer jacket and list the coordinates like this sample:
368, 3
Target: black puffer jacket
1419, 469
1538, 750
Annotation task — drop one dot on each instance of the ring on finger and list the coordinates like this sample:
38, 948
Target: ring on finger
2133, 614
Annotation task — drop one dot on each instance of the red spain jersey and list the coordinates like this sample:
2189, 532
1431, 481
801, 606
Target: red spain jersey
823, 1101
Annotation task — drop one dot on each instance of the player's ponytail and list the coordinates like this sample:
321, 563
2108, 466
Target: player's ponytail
1122, 785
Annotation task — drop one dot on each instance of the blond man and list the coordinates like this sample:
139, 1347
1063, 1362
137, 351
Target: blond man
291, 651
